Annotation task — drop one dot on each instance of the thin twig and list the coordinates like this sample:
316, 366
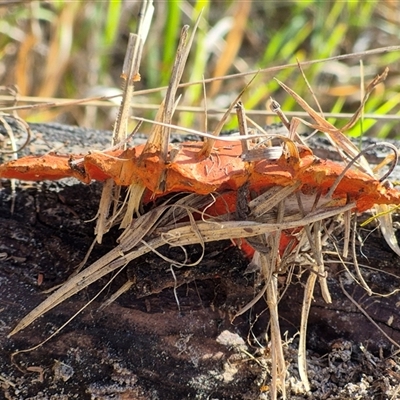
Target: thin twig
366, 315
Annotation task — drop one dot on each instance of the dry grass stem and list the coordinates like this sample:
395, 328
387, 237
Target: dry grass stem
209, 142
130, 73
367, 316
131, 246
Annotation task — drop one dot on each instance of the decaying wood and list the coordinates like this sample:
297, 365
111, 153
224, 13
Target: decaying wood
132, 333
324, 320
285, 232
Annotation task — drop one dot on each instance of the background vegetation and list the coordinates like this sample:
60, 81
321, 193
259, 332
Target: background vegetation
75, 49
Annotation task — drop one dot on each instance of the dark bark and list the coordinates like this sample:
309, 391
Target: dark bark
142, 346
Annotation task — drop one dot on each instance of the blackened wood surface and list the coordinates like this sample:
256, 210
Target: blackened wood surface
142, 346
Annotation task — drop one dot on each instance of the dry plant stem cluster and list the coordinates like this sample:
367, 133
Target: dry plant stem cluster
130, 74
161, 226
264, 214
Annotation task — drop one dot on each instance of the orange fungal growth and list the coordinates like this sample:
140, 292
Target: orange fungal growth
223, 170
